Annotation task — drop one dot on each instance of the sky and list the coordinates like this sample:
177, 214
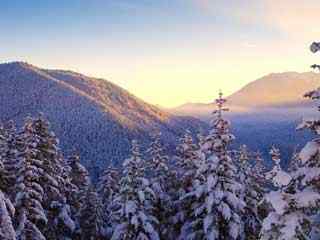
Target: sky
166, 52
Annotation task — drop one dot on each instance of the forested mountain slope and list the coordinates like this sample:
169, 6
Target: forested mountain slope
92, 116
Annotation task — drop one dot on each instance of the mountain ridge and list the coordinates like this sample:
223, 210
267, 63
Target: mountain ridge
91, 115
275, 90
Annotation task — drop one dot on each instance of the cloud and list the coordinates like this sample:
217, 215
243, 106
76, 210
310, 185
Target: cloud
296, 18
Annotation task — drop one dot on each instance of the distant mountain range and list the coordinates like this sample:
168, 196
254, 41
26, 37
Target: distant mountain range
90, 115
272, 92
266, 111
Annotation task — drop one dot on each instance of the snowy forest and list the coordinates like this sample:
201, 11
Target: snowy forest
208, 190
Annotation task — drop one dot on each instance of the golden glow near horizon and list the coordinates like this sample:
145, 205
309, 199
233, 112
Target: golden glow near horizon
167, 53
170, 83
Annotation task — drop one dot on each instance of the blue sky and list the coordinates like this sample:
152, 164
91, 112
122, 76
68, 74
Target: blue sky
166, 52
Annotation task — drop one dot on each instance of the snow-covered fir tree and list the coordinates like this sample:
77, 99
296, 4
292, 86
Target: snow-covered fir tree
7, 231
78, 185
51, 162
91, 216
217, 208
31, 217
187, 164
259, 169
10, 146
187, 160
295, 162
78, 173
162, 182
108, 185
292, 204
108, 188
307, 166
133, 217
252, 194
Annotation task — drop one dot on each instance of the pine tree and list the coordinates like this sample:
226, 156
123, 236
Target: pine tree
79, 174
10, 146
91, 216
30, 215
3, 151
307, 164
7, 231
217, 208
187, 164
51, 161
187, 160
291, 204
108, 185
294, 164
259, 170
78, 185
133, 217
252, 194
162, 181
108, 189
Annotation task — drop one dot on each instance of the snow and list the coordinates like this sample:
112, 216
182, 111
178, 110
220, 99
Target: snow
225, 210
211, 182
6, 228
291, 226
281, 178
130, 207
308, 174
276, 199
207, 222
119, 231
151, 231
209, 202
234, 230
64, 216
309, 151
307, 198
270, 220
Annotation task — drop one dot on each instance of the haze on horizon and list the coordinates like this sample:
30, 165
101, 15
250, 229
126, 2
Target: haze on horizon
165, 52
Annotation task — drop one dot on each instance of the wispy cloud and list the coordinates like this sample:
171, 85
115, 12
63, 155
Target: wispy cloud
295, 18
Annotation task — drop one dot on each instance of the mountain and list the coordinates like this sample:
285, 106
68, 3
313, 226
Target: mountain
274, 91
89, 115
267, 111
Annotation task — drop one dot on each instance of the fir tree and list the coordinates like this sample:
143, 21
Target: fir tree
91, 216
217, 208
30, 215
291, 203
162, 181
51, 161
7, 231
108, 185
306, 164
133, 217
252, 194
78, 185
79, 174
108, 189
259, 170
10, 146
187, 163
187, 160
294, 164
